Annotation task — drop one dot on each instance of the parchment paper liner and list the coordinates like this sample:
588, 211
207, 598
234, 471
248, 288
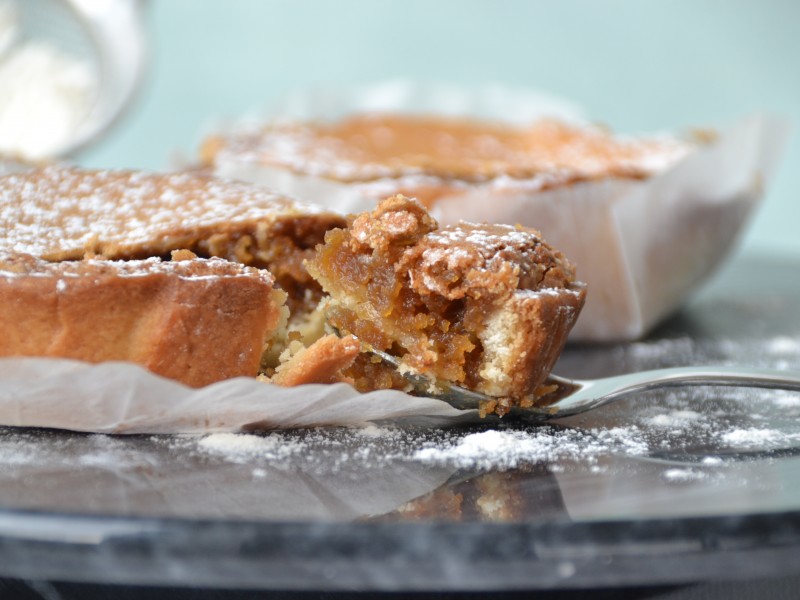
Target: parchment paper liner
118, 397
641, 246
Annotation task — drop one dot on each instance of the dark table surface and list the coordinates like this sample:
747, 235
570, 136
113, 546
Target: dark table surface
674, 488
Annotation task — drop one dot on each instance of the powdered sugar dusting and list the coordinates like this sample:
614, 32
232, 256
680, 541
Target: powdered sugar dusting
753, 437
243, 447
483, 450
509, 449
474, 250
787, 400
372, 146
675, 418
49, 449
783, 345
683, 475
60, 213
503, 449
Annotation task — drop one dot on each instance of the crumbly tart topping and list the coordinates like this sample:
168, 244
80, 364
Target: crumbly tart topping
373, 146
61, 213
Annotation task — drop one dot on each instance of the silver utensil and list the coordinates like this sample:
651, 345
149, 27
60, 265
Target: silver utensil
576, 396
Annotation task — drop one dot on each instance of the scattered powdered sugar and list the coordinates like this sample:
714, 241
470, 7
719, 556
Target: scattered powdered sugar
643, 353
677, 418
753, 437
783, 345
671, 428
240, 447
677, 431
679, 475
631, 439
486, 448
325, 450
786, 399
508, 449
374, 431
371, 445
15, 451
51, 450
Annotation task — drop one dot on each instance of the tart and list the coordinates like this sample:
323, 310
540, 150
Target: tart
581, 185
487, 307
434, 156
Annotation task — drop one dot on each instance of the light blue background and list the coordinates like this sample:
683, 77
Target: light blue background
635, 65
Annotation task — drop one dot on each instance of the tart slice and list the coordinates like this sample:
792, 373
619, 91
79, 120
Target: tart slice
487, 307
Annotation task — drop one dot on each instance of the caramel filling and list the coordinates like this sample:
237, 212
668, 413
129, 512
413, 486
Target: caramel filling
430, 333
281, 248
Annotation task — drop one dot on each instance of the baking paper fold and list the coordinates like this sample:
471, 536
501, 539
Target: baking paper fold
117, 397
642, 246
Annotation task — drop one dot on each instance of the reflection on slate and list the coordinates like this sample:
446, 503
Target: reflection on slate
525, 493
178, 477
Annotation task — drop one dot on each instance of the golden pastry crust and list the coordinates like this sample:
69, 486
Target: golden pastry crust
196, 321
322, 362
485, 306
